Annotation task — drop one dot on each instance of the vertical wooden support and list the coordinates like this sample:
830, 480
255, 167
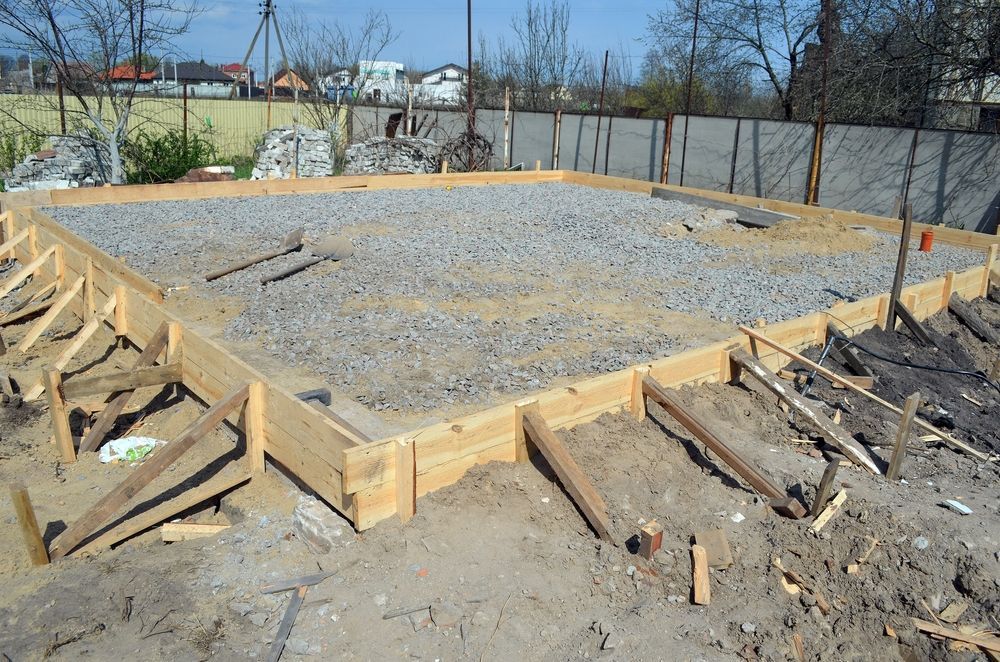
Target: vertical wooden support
406, 479
882, 316
825, 487
702, 593
89, 307
730, 372
29, 525
52, 379
903, 436
948, 289
121, 313
650, 540
59, 263
444, 167
175, 344
637, 405
991, 257
538, 166
521, 451
253, 422
555, 139
910, 301
904, 249
8, 233
33, 241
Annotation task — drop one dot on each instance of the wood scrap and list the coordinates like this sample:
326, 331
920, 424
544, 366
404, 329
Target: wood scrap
650, 539
702, 590
26, 272
903, 436
569, 473
797, 579
295, 582
28, 524
834, 434
716, 546
825, 487
798, 648
829, 512
780, 501
985, 641
968, 316
833, 377
180, 531
278, 645
953, 611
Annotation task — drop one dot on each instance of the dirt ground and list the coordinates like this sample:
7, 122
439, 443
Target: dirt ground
503, 566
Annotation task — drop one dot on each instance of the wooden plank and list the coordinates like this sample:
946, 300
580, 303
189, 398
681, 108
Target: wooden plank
50, 316
850, 357
913, 324
406, 479
125, 380
60, 416
903, 436
523, 450
637, 404
25, 272
164, 511
28, 307
181, 531
74, 346
716, 545
961, 309
146, 472
833, 377
92, 440
828, 513
278, 645
8, 246
825, 487
28, 524
701, 582
256, 434
760, 482
985, 641
570, 475
834, 434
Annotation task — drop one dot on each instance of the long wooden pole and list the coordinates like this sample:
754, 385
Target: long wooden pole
600, 112
897, 280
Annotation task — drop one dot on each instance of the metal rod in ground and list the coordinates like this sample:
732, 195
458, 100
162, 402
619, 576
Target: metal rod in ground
897, 281
600, 112
687, 105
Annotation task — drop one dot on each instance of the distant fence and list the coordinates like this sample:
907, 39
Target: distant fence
949, 177
233, 127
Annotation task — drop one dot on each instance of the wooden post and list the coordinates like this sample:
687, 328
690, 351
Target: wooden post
903, 436
33, 241
555, 140
506, 128
175, 344
995, 373
667, 137
702, 591
637, 405
522, 451
60, 417
825, 486
121, 315
29, 525
8, 234
650, 539
89, 307
444, 167
3, 345
406, 479
904, 248
538, 165
59, 262
991, 256
254, 427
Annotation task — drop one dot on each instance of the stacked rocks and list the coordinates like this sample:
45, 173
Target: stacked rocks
392, 155
71, 163
276, 155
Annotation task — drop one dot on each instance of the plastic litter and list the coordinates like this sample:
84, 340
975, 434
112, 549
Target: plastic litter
128, 449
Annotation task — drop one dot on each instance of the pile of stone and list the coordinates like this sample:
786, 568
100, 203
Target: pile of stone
276, 155
380, 156
72, 162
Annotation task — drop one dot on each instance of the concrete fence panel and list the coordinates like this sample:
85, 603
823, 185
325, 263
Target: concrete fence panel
864, 167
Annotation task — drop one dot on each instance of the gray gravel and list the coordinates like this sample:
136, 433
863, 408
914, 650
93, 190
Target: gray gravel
461, 296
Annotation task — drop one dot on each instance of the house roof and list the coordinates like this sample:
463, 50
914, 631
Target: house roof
192, 71
450, 65
128, 72
233, 67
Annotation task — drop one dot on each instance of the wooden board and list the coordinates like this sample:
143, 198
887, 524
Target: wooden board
180, 531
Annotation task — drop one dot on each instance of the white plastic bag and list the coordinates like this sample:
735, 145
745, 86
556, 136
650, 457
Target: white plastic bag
128, 449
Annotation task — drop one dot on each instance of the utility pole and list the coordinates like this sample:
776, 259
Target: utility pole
600, 111
687, 106
471, 123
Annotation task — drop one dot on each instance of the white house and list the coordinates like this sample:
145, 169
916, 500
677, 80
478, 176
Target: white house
382, 81
442, 86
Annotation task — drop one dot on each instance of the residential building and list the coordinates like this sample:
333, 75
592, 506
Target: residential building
443, 86
200, 79
237, 71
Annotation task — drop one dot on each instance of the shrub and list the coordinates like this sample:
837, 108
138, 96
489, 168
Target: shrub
15, 146
164, 157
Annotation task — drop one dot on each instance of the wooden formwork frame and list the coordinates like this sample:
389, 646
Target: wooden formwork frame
369, 481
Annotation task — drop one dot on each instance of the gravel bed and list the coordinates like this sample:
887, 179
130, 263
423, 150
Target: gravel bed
461, 296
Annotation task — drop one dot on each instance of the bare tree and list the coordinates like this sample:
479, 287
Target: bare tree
84, 41
326, 57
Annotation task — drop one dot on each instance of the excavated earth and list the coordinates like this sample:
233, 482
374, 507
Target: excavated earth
503, 566
460, 297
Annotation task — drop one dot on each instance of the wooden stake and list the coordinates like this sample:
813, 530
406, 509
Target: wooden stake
570, 475
650, 539
825, 485
59, 262
121, 317
154, 465
60, 416
991, 258
3, 345
444, 167
406, 479
538, 166
33, 241
28, 525
834, 434
50, 315
522, 449
637, 405
904, 247
832, 509
780, 500
253, 424
89, 307
833, 377
903, 436
702, 588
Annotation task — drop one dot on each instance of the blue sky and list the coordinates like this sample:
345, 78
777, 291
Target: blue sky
432, 32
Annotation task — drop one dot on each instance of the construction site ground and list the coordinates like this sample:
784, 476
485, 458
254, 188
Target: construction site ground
503, 566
